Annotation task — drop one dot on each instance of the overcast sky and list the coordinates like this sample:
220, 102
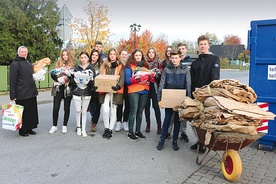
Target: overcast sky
181, 19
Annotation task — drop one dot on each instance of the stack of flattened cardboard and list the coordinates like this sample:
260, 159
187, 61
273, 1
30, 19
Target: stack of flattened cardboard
224, 105
228, 88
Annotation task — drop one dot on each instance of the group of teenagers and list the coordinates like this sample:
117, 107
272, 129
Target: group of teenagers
176, 71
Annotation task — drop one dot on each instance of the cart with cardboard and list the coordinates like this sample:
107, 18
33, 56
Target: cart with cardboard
230, 144
224, 123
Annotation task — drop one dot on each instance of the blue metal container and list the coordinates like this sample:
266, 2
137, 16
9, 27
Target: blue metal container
262, 75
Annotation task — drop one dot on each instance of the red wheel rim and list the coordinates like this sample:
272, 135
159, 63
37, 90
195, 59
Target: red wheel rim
228, 165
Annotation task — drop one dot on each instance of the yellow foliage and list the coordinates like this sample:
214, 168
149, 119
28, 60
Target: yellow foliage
96, 29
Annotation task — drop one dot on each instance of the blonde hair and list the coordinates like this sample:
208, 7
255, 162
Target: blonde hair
203, 37
69, 62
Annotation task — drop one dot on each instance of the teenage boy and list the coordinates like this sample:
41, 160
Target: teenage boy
204, 70
99, 47
186, 61
174, 76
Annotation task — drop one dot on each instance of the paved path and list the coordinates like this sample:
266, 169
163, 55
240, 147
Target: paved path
67, 158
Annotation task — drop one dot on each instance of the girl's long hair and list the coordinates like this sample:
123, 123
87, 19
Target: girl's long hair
69, 62
131, 59
117, 56
107, 61
167, 58
99, 57
155, 54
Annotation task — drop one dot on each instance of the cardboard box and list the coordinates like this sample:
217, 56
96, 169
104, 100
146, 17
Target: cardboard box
172, 97
105, 82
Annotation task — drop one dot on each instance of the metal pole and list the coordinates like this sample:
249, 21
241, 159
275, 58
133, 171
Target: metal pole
64, 32
134, 28
134, 39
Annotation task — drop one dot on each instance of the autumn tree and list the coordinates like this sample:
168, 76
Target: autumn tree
160, 43
95, 29
213, 38
245, 56
224, 62
232, 40
31, 23
144, 41
125, 44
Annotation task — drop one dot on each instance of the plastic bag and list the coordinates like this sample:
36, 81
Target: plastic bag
12, 116
40, 74
83, 78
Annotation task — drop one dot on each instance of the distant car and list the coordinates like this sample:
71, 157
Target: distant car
246, 64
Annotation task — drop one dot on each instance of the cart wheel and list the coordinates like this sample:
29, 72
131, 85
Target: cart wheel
231, 165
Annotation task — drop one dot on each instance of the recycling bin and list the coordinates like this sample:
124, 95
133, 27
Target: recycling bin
262, 74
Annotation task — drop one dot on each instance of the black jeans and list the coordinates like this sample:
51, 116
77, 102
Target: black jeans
126, 110
56, 106
153, 97
95, 108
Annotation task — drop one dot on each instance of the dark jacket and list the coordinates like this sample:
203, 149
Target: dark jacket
164, 63
175, 78
204, 70
187, 61
22, 84
103, 57
88, 90
96, 67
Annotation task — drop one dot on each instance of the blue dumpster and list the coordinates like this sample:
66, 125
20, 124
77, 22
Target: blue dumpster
262, 75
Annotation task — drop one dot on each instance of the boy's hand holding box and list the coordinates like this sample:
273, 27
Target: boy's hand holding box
172, 97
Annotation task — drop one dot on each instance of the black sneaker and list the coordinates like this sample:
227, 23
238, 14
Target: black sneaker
140, 135
160, 145
109, 134
132, 137
184, 137
105, 133
175, 146
194, 147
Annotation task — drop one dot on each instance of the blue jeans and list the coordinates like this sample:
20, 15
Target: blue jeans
168, 116
137, 105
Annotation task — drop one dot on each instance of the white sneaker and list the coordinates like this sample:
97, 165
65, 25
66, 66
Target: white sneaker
125, 126
53, 130
79, 131
64, 129
118, 126
84, 134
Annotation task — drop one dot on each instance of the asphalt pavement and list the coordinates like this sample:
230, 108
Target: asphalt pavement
68, 158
